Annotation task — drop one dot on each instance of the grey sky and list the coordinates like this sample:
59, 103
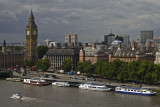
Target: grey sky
87, 18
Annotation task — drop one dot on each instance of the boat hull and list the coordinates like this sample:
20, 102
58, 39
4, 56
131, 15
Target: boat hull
38, 82
94, 87
61, 84
147, 94
137, 91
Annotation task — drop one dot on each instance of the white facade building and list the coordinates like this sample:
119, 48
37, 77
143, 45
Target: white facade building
157, 59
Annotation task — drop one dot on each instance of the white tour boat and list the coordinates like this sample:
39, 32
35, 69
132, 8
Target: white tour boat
61, 84
17, 96
96, 87
35, 81
131, 90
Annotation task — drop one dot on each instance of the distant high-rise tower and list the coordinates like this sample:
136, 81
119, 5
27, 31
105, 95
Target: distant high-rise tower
125, 38
108, 39
146, 35
31, 39
71, 39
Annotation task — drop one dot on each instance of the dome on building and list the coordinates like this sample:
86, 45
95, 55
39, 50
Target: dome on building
47, 40
115, 42
63, 44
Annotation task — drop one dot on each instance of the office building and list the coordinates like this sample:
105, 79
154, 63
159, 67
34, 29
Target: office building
125, 39
57, 56
108, 39
146, 35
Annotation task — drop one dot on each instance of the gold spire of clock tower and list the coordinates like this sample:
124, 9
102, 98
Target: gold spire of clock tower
31, 20
31, 39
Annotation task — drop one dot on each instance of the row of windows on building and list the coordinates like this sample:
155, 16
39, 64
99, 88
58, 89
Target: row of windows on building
125, 60
94, 59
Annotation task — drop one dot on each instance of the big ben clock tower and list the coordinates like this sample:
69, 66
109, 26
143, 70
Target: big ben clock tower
31, 39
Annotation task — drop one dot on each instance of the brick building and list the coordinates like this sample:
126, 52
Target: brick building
133, 52
93, 53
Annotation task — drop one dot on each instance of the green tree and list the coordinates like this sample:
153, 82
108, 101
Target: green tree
133, 68
98, 68
116, 64
148, 73
43, 65
145, 71
88, 68
106, 70
41, 50
123, 72
67, 65
17, 48
139, 71
28, 63
142, 71
80, 67
38, 65
156, 74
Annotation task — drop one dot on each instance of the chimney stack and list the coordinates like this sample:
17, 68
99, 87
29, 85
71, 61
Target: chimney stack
85, 45
119, 45
106, 47
133, 45
94, 45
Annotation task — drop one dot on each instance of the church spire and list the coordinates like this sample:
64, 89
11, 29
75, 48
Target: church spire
4, 47
4, 43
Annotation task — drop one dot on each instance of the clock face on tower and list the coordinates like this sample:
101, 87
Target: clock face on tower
34, 32
27, 32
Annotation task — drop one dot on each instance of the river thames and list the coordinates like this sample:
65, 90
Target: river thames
52, 96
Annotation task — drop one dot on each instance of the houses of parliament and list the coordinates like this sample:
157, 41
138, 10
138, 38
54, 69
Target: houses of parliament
12, 57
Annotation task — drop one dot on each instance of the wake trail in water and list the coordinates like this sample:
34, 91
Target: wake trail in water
32, 99
28, 99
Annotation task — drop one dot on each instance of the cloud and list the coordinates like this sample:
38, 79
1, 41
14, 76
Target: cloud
73, 16
65, 22
7, 16
47, 20
89, 18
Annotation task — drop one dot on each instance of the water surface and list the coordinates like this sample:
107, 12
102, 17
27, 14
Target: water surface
52, 96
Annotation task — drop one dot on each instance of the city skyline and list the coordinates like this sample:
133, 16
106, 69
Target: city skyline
87, 18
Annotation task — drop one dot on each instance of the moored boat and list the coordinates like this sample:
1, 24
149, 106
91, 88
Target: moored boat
61, 84
36, 81
139, 91
96, 87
